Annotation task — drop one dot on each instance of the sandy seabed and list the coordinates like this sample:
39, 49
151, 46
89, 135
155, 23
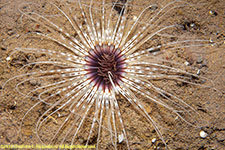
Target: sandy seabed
209, 18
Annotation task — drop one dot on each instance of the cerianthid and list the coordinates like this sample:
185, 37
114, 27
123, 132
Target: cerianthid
114, 74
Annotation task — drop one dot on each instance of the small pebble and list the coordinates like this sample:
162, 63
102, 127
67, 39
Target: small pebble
213, 13
153, 140
135, 18
59, 115
192, 25
203, 134
8, 58
121, 137
186, 63
10, 32
154, 7
17, 35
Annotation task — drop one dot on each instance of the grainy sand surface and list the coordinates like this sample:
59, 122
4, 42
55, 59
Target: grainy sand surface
206, 21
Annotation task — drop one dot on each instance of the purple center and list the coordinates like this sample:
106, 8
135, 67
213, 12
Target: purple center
105, 63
